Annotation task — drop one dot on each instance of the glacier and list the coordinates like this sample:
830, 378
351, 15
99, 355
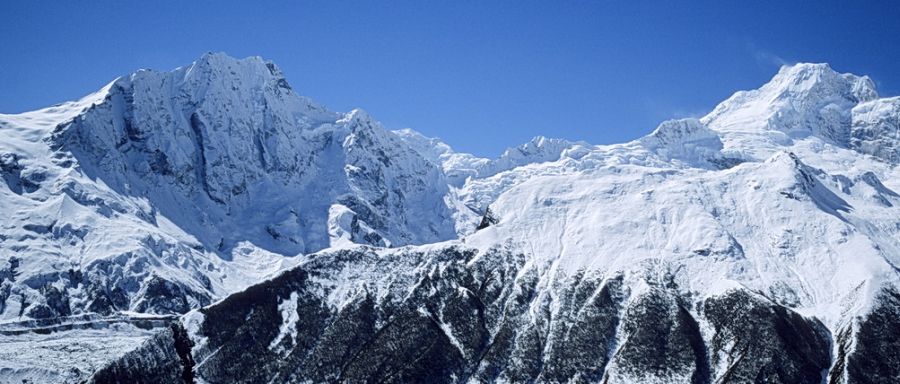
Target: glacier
243, 233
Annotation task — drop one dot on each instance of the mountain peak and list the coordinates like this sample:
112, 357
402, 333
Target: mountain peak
806, 68
220, 61
800, 101
167, 191
223, 133
251, 72
821, 79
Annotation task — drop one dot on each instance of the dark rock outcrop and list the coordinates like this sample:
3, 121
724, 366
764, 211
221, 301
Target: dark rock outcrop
872, 354
457, 315
164, 358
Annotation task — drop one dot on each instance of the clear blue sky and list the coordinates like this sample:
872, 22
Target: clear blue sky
482, 75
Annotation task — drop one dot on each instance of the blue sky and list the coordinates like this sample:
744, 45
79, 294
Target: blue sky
481, 75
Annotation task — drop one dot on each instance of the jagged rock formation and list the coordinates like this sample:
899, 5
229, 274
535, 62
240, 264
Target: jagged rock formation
151, 194
876, 129
455, 314
758, 243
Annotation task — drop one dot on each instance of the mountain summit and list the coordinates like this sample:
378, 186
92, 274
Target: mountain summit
208, 223
227, 150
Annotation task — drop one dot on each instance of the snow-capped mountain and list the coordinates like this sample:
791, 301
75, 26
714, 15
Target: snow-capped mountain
168, 178
760, 243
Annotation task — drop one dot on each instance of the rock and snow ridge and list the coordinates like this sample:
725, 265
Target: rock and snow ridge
167, 191
208, 177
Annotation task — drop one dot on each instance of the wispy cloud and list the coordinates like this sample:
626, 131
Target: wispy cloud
686, 113
767, 58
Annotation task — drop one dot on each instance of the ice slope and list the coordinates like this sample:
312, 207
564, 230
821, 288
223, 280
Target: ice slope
802, 236
461, 166
771, 191
70, 244
800, 101
875, 128
759, 243
227, 149
166, 191
69, 351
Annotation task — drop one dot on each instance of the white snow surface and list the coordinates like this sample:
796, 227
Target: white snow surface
65, 356
219, 171
767, 192
212, 176
288, 328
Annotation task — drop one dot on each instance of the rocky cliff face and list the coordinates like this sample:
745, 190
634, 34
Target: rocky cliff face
875, 129
167, 190
225, 149
455, 314
756, 244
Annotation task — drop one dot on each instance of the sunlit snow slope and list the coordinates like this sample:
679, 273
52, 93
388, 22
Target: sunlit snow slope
760, 242
194, 183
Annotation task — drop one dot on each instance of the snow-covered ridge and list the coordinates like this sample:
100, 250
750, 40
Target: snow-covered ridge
166, 191
461, 166
800, 101
227, 135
